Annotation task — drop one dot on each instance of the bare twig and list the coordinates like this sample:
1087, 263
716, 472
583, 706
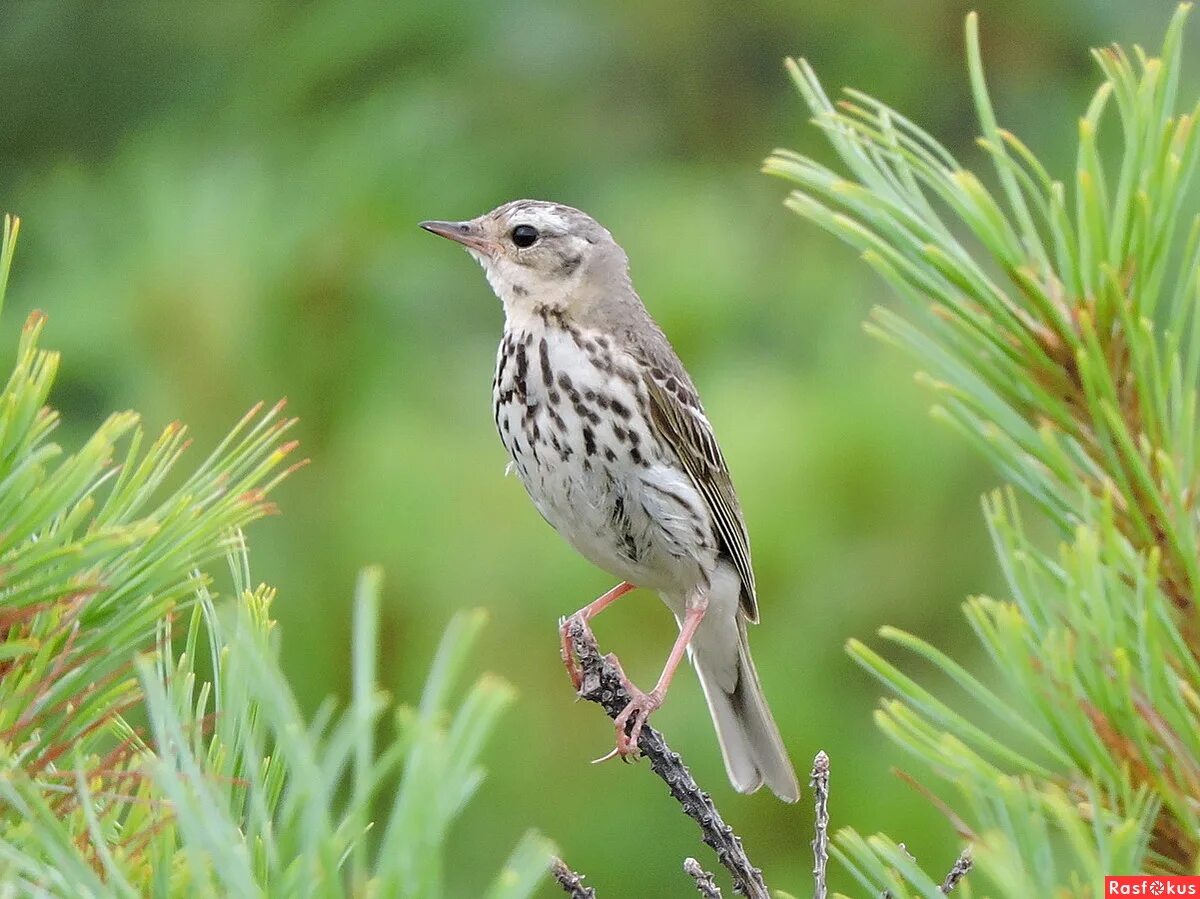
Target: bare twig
704, 880
819, 780
571, 882
960, 870
602, 685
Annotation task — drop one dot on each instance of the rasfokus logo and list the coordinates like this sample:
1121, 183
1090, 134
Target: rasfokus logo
1151, 885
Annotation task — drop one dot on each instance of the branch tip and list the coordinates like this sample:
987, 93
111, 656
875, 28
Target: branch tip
961, 868
571, 882
705, 884
819, 780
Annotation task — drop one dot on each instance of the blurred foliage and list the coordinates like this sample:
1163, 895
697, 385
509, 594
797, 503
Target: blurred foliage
126, 768
220, 206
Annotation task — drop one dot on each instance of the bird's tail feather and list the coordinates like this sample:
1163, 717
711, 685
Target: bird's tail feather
750, 741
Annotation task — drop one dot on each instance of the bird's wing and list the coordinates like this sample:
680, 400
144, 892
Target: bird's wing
681, 422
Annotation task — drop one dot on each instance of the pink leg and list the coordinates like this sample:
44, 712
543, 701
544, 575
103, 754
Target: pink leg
584, 615
642, 704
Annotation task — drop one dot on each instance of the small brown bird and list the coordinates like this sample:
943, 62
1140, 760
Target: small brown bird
607, 434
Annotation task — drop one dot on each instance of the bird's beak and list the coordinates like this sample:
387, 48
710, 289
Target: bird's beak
469, 234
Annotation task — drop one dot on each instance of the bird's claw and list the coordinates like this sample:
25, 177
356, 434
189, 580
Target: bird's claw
629, 723
568, 649
611, 754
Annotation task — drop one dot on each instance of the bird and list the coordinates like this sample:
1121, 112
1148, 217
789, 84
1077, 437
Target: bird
606, 431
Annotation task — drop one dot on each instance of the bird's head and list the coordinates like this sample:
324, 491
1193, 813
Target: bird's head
539, 254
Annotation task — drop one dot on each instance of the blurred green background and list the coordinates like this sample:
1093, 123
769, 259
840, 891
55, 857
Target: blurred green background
219, 206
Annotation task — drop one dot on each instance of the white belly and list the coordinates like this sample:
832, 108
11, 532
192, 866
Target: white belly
580, 444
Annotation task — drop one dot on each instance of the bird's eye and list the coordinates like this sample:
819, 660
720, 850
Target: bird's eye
525, 235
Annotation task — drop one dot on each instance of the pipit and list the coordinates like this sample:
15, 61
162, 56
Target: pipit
607, 433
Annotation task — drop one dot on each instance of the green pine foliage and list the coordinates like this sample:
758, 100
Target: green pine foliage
127, 770
1056, 320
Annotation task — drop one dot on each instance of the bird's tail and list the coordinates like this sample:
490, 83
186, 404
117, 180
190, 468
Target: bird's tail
750, 741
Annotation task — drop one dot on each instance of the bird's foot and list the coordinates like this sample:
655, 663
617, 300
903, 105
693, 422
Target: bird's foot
591, 610
638, 710
633, 717
568, 648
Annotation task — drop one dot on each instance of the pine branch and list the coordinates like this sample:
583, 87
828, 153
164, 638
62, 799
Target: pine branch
106, 611
1058, 321
602, 684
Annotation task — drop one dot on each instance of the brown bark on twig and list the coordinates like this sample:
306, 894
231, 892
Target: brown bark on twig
602, 684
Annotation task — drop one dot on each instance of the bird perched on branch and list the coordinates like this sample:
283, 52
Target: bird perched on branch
607, 433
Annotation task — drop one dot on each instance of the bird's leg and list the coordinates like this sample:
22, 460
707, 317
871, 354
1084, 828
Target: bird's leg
642, 704
591, 610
